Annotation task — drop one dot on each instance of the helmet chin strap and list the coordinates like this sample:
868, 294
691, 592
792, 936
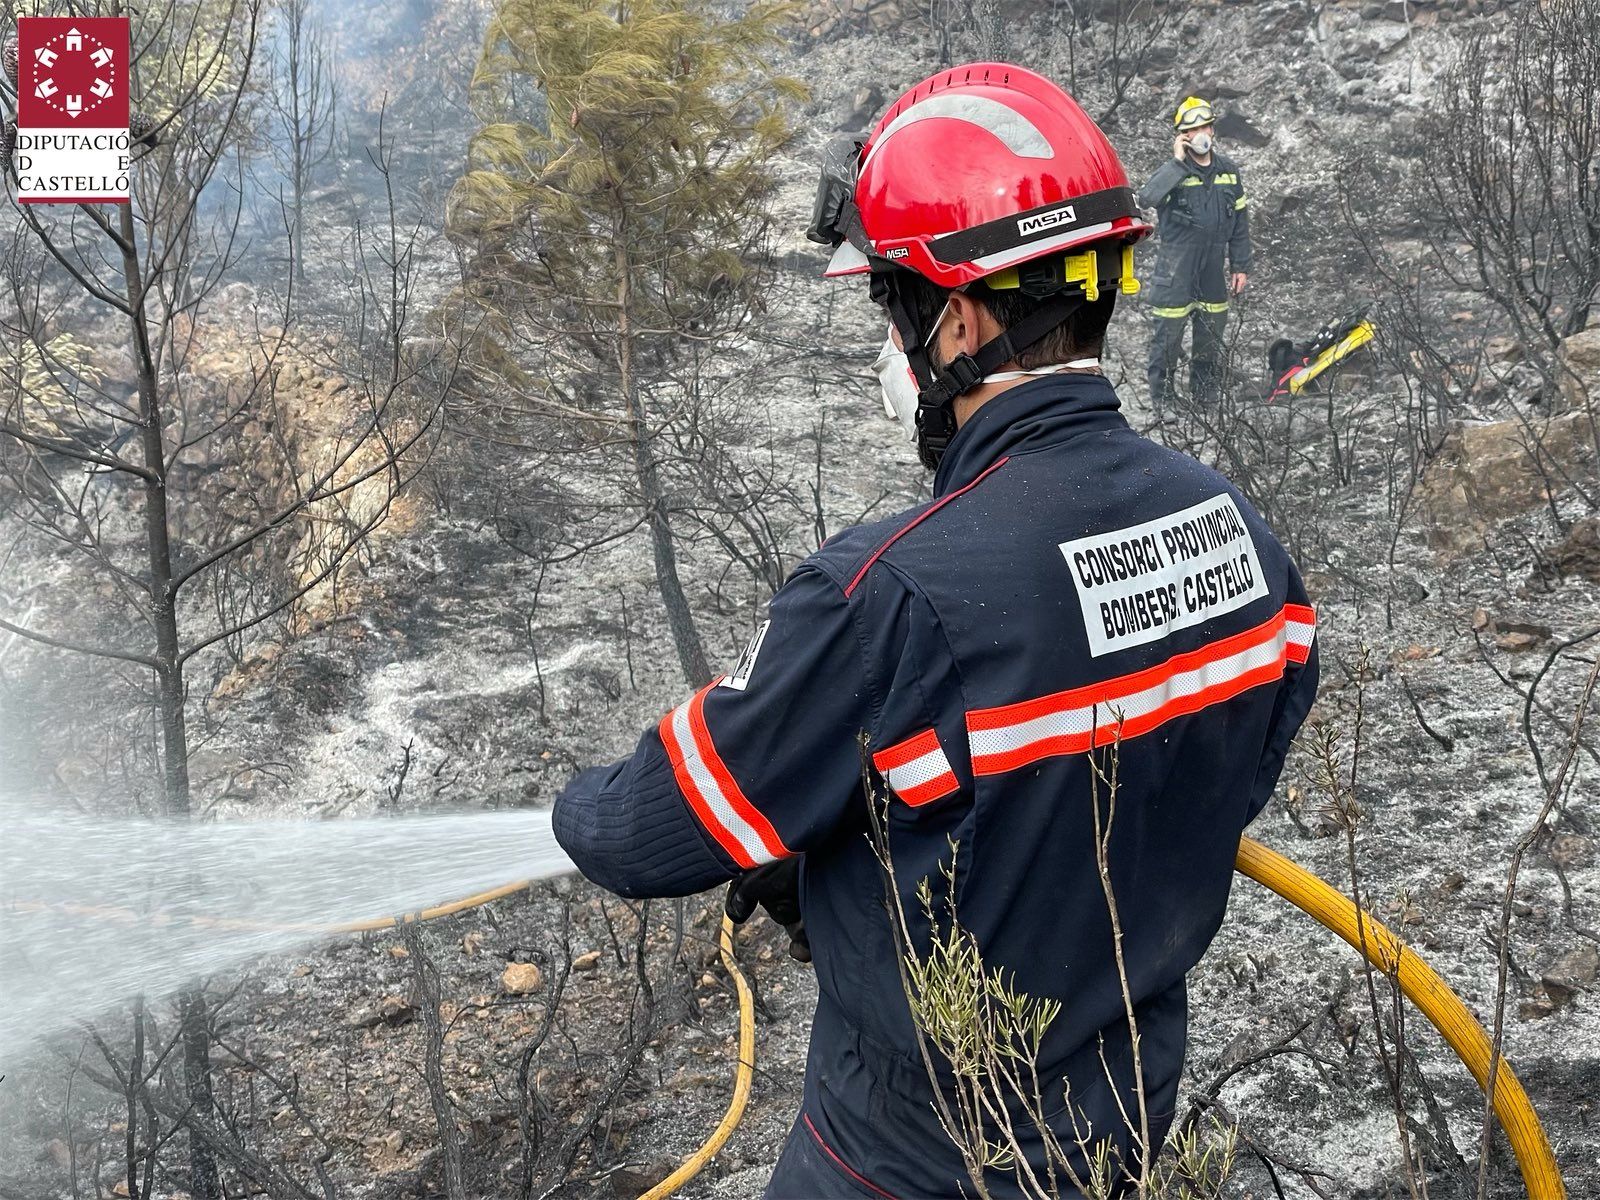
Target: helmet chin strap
936, 416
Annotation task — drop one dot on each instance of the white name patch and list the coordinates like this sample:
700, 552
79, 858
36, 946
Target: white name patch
1138, 584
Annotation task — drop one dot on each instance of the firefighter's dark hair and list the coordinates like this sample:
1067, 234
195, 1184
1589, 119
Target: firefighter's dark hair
1083, 334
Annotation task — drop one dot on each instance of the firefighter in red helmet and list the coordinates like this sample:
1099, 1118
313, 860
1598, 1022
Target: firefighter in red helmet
989, 183
1070, 586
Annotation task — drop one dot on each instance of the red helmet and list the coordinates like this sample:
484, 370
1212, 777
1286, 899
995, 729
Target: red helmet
975, 170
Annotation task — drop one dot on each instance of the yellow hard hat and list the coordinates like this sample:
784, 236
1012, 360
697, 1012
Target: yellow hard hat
1193, 113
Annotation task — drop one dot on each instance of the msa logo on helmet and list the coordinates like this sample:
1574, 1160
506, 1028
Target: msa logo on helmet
1039, 222
897, 252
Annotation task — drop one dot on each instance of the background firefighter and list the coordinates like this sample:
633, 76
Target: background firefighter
1203, 230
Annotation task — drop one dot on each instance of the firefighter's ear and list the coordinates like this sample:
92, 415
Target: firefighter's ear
969, 326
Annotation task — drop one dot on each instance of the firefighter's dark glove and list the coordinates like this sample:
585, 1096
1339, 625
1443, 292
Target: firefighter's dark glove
776, 888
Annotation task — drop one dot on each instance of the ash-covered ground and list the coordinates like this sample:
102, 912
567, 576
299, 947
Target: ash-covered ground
461, 681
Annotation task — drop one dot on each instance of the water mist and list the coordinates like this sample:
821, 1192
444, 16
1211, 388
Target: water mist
95, 912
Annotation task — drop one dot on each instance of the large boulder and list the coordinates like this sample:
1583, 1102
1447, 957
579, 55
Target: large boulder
1580, 356
1491, 470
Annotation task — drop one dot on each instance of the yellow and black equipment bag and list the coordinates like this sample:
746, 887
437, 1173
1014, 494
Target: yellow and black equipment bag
1292, 366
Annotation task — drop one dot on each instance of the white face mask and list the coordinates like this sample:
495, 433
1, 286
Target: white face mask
900, 390
1200, 143
899, 385
898, 381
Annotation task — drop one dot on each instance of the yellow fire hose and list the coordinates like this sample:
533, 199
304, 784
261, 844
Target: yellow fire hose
1429, 993
1272, 870
1331, 908
690, 1167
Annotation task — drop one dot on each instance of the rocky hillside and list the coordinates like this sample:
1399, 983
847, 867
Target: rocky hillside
1457, 613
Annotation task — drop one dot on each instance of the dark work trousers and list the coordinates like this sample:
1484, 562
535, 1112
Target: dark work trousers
808, 1170
1205, 356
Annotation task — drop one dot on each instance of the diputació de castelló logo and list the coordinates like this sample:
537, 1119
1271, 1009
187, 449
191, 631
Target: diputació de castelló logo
72, 141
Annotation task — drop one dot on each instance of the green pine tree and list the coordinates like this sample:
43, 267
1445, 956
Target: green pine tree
619, 207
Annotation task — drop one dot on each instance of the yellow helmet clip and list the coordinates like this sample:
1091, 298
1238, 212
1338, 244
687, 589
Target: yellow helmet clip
1082, 269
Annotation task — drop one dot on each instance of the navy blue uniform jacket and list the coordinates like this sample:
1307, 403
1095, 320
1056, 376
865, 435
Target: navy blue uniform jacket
1070, 583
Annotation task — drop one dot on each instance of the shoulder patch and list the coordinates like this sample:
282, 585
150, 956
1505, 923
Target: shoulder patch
746, 666
1138, 584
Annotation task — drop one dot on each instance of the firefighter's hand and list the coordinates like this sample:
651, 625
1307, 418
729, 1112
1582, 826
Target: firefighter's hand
1180, 146
1238, 282
776, 888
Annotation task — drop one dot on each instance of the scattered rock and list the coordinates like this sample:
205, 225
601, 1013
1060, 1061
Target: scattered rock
1414, 653
1570, 974
1510, 635
865, 106
1226, 88
520, 979
586, 962
1517, 641
1501, 348
1535, 1009
1582, 349
472, 942
391, 1010
1579, 552
630, 1181
1580, 354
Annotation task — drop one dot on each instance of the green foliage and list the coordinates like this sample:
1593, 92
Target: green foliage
989, 1035
650, 156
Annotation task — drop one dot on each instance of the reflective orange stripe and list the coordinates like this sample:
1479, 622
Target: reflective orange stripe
1072, 722
714, 796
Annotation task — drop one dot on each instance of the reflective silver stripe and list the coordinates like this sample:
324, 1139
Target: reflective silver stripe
846, 260
1020, 135
1300, 633
919, 771
711, 791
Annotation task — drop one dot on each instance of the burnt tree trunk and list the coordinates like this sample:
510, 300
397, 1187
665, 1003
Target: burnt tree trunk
204, 1183
680, 617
